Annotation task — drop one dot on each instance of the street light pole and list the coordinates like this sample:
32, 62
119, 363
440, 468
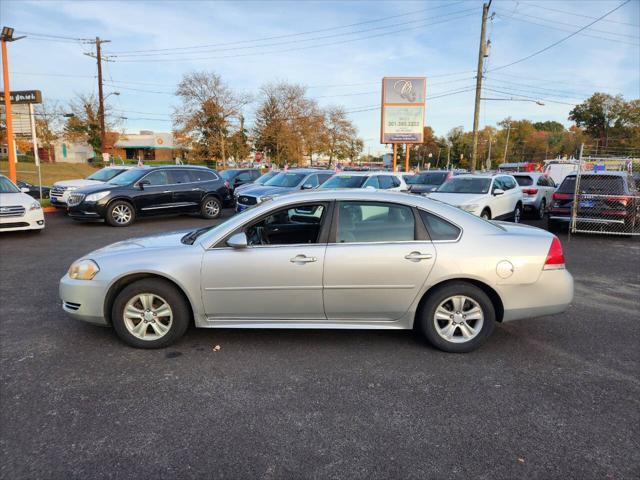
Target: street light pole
7, 36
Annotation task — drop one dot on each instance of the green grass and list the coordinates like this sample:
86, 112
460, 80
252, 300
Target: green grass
51, 172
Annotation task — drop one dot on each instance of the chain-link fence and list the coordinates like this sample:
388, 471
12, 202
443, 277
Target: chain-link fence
605, 199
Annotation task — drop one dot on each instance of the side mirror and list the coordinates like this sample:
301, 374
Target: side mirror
238, 240
498, 191
142, 183
307, 186
24, 190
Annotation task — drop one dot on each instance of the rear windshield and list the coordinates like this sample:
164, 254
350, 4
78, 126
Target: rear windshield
345, 181
524, 180
594, 184
431, 178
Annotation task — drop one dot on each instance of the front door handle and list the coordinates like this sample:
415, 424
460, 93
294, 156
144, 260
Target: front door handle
417, 256
167, 191
303, 259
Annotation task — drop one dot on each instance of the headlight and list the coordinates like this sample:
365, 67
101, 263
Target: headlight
94, 197
469, 208
35, 206
83, 270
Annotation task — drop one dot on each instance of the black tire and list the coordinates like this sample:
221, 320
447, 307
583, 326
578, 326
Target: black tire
181, 313
543, 209
114, 219
210, 207
427, 323
486, 214
517, 213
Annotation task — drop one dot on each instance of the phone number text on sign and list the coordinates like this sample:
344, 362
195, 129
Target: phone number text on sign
403, 124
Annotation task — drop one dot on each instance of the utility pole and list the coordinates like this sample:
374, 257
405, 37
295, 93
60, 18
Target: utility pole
489, 155
481, 54
506, 145
98, 56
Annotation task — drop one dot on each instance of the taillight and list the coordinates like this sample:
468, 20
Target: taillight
555, 257
562, 196
530, 191
227, 184
623, 200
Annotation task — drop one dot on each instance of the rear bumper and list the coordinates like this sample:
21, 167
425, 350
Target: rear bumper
551, 294
601, 221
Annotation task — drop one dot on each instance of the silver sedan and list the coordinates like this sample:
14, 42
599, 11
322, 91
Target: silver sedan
341, 259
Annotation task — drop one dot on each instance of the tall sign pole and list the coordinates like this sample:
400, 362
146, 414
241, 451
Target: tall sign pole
11, 142
406, 157
395, 156
476, 112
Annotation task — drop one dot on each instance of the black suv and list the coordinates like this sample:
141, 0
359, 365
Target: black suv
239, 176
151, 191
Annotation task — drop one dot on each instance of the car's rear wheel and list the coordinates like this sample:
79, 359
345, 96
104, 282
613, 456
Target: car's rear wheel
120, 214
211, 208
150, 313
486, 214
457, 317
517, 213
543, 209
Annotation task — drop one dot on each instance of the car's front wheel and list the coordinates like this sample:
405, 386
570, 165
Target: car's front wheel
457, 317
120, 214
543, 209
150, 313
211, 208
517, 213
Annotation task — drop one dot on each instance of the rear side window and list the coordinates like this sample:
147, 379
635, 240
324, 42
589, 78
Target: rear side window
525, 180
439, 229
159, 177
396, 181
255, 174
201, 175
509, 182
372, 182
179, 176
374, 222
385, 182
323, 177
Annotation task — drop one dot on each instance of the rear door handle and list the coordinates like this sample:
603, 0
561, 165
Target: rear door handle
167, 191
417, 256
303, 259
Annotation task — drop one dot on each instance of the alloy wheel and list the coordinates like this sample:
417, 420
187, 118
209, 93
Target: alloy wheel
212, 207
148, 316
543, 209
458, 319
517, 214
121, 214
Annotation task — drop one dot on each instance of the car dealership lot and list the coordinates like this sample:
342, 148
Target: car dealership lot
550, 397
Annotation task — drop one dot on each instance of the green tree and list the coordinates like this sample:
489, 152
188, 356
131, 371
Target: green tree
84, 125
604, 116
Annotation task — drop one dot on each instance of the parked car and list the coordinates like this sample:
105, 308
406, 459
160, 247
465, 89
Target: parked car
347, 259
378, 180
559, 169
537, 192
33, 190
284, 182
144, 191
60, 191
427, 181
18, 210
260, 181
610, 198
239, 176
496, 197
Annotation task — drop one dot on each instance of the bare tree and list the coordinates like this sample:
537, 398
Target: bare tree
340, 133
208, 114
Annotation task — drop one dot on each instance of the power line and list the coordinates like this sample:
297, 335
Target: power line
290, 35
578, 14
526, 96
548, 47
183, 59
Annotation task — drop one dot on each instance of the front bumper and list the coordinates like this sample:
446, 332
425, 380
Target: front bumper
84, 299
552, 293
31, 220
87, 211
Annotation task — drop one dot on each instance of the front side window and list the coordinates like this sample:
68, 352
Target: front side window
372, 182
509, 182
311, 181
244, 177
385, 182
158, 177
289, 226
374, 222
439, 229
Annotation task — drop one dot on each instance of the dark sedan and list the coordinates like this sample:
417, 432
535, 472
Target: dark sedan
151, 191
426, 182
33, 190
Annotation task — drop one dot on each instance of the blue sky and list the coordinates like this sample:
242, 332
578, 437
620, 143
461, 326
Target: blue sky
340, 64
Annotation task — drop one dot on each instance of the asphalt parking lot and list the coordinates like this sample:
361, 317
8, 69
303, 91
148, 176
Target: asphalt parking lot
554, 397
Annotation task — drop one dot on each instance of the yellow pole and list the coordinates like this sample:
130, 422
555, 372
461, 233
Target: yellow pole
7, 106
395, 156
406, 157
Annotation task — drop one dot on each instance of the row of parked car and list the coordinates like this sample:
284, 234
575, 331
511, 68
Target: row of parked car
121, 194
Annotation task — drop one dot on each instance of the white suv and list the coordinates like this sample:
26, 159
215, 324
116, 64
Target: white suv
497, 197
378, 180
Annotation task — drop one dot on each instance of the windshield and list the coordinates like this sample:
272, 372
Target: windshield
228, 174
6, 186
430, 178
285, 179
128, 177
524, 180
265, 178
465, 185
345, 181
105, 174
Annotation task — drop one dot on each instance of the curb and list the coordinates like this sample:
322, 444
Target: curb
51, 210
